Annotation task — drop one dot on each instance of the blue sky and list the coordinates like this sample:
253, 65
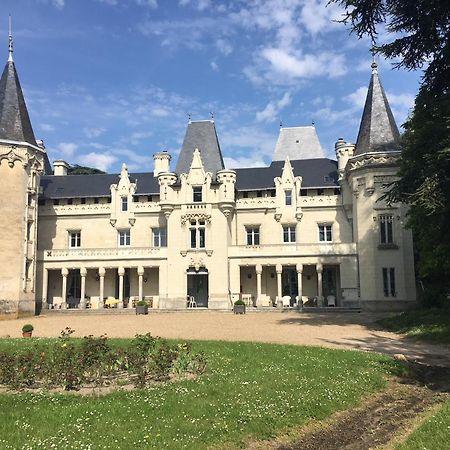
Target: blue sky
112, 81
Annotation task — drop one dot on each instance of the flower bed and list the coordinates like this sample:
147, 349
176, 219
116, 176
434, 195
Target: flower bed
72, 364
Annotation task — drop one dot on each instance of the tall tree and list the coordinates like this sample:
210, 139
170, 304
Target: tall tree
420, 35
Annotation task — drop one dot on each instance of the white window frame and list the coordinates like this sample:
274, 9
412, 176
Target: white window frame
254, 233
197, 234
159, 235
124, 238
124, 203
288, 196
74, 238
327, 232
389, 282
197, 190
289, 234
386, 222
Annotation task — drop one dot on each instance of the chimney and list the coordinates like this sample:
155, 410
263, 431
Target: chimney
60, 168
162, 162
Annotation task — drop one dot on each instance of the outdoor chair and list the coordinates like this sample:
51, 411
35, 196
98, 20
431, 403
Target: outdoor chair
331, 300
192, 303
286, 299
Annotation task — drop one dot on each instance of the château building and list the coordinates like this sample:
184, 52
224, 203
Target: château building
299, 232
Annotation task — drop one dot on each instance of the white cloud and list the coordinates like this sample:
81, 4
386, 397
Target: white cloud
92, 132
319, 16
357, 98
58, 4
292, 65
214, 66
46, 127
150, 3
272, 110
66, 149
102, 161
224, 46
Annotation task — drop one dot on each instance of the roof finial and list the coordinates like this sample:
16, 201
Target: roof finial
212, 115
313, 122
10, 44
189, 117
374, 65
281, 123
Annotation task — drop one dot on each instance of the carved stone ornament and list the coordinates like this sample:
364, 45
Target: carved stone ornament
277, 216
186, 218
196, 262
26, 157
132, 221
113, 222
298, 214
373, 159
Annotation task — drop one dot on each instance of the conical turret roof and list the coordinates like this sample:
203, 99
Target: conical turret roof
378, 131
202, 135
15, 122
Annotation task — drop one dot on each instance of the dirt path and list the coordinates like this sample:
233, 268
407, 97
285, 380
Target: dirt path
378, 421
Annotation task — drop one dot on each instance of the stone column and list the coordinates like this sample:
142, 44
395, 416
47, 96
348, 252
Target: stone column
45, 289
299, 268
279, 270
319, 269
64, 273
140, 271
258, 284
83, 273
101, 274
121, 273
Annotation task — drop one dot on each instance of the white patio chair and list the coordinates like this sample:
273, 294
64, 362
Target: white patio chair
192, 302
286, 299
331, 300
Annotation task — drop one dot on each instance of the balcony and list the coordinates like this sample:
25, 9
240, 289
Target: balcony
332, 249
110, 254
319, 201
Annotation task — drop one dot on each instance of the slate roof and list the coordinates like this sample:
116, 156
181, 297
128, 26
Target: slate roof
313, 172
96, 185
15, 122
297, 143
201, 135
318, 172
378, 131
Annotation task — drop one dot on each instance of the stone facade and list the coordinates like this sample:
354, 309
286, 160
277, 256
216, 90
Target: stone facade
297, 233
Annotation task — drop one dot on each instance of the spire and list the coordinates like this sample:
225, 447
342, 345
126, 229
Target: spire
15, 122
200, 135
10, 43
378, 131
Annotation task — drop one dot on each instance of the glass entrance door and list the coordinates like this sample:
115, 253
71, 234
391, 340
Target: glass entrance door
197, 287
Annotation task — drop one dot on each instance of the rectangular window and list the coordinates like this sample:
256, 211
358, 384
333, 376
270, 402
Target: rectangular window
74, 239
289, 233
389, 282
288, 197
252, 235
124, 203
386, 230
325, 233
159, 237
197, 194
198, 234
124, 238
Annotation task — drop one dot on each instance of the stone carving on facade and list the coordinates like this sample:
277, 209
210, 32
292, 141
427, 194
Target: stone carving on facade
25, 156
373, 159
195, 216
196, 262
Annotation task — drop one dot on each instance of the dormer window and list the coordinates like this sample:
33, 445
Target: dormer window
124, 204
197, 196
288, 197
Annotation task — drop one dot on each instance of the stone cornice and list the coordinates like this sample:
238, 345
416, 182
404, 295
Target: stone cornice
373, 159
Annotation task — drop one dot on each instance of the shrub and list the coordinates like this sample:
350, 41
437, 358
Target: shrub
141, 303
27, 328
239, 302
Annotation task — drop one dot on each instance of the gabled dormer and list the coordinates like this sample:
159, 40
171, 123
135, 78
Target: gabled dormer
287, 192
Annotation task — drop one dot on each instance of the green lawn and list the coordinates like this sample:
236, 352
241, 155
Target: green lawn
432, 434
431, 324
250, 391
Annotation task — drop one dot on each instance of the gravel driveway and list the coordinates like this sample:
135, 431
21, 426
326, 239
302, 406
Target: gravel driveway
328, 329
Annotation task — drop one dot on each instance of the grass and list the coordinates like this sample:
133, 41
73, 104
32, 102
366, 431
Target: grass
429, 324
251, 391
432, 434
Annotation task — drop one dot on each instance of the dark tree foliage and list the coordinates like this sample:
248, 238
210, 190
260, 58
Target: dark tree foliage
420, 31
82, 170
